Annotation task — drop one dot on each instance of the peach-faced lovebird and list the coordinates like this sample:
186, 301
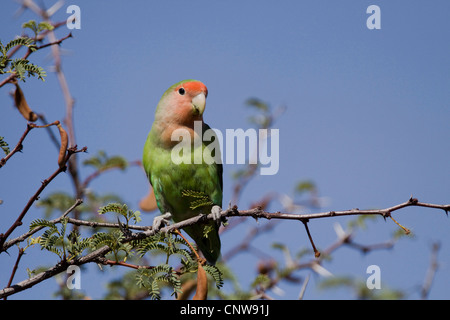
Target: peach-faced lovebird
192, 185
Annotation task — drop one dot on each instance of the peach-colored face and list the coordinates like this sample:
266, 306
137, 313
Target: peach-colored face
181, 107
181, 103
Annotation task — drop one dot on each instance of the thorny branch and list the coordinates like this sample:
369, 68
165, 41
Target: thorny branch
35, 196
23, 237
18, 147
257, 213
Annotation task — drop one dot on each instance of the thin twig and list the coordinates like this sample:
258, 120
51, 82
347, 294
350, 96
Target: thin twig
18, 147
23, 237
56, 42
316, 252
97, 173
35, 196
50, 132
19, 256
425, 291
105, 261
49, 273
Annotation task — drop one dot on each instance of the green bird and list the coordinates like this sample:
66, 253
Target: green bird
181, 167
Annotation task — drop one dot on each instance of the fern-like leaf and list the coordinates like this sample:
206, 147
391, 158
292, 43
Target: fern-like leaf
101, 162
42, 223
4, 145
121, 209
201, 199
215, 273
100, 239
76, 244
151, 279
23, 66
21, 41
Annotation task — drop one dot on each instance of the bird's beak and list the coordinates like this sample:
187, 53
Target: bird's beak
198, 103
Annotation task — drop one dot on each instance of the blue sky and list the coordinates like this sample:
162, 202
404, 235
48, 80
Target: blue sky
366, 120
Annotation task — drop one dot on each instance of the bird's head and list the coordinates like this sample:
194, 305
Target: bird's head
183, 103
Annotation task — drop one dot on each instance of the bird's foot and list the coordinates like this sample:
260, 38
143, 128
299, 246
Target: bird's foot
217, 213
161, 220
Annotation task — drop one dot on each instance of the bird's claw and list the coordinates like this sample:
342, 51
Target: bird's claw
217, 213
161, 220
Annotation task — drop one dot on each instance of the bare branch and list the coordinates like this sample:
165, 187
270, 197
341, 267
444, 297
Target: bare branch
19, 256
23, 237
49, 273
259, 213
18, 147
35, 196
231, 212
425, 291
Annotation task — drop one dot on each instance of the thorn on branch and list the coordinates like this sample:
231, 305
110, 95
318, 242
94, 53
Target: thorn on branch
305, 223
412, 200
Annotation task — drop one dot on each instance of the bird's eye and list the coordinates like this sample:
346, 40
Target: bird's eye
181, 91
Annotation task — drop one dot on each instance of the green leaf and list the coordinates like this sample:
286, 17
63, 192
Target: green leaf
114, 240
57, 201
121, 209
22, 66
215, 273
201, 198
30, 25
21, 41
76, 244
165, 243
261, 280
4, 145
101, 161
152, 278
101, 239
43, 223
258, 104
114, 207
44, 26
36, 28
2, 49
305, 186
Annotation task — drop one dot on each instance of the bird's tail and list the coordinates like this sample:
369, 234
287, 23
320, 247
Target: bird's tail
208, 244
